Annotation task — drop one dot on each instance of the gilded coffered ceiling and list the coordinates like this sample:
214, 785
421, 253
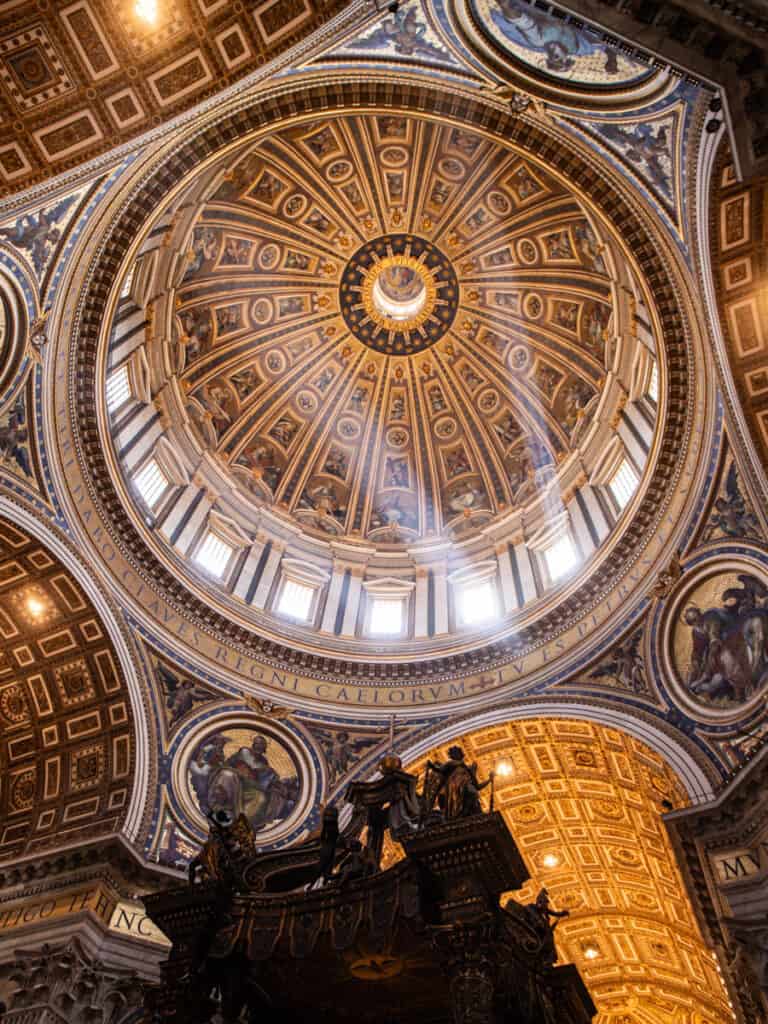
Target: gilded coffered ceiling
76, 79
738, 236
67, 747
584, 804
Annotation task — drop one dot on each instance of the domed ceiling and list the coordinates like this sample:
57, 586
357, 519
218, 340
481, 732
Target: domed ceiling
387, 330
330, 253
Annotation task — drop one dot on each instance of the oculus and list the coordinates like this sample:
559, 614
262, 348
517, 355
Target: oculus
399, 294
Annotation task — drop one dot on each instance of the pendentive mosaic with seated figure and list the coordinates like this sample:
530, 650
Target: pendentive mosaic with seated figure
244, 771
716, 635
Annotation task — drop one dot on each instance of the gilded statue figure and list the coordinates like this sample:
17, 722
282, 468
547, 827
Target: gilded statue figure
454, 786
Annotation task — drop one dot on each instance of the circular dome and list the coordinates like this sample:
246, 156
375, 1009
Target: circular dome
403, 336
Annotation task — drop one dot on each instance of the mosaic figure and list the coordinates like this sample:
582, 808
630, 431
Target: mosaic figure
39, 233
396, 473
358, 399
245, 382
228, 318
624, 666
731, 516
645, 146
393, 513
405, 35
397, 406
559, 42
205, 248
267, 188
508, 429
729, 651
466, 496
14, 438
457, 462
262, 460
576, 396
181, 692
219, 404
336, 463
596, 320
589, 247
197, 331
559, 246
524, 183
326, 499
241, 771
342, 749
285, 430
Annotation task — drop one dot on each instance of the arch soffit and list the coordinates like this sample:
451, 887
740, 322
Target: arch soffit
145, 740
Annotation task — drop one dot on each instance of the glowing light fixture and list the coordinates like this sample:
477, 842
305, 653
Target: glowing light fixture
504, 769
146, 10
591, 952
550, 860
35, 606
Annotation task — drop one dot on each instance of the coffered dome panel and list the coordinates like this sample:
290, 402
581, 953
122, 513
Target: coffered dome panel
388, 332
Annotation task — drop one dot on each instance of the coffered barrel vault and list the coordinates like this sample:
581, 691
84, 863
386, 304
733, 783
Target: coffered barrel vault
68, 741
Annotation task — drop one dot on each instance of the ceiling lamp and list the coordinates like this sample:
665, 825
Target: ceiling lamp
550, 860
146, 10
591, 952
35, 607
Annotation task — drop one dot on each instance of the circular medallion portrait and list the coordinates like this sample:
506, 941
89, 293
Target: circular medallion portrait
248, 770
552, 46
717, 636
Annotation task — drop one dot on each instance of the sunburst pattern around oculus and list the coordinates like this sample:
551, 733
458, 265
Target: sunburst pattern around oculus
399, 294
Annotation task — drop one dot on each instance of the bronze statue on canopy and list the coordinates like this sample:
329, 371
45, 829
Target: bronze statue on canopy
320, 932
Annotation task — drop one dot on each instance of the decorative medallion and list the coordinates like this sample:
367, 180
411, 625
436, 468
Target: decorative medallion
399, 294
716, 636
554, 47
246, 767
